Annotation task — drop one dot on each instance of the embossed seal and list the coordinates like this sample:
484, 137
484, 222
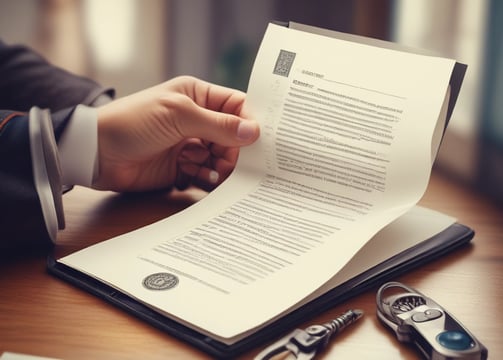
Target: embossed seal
160, 281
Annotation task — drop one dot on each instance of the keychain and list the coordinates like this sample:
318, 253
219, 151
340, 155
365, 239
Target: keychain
418, 319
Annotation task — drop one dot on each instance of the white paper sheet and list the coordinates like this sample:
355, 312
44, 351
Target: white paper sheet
347, 135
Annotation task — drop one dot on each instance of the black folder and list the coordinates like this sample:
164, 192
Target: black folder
446, 241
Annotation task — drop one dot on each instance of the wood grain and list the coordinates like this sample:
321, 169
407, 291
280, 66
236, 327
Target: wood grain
44, 316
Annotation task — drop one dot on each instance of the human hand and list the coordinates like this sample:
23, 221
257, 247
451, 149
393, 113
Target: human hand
184, 131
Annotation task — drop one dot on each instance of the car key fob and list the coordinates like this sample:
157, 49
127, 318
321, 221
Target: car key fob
419, 320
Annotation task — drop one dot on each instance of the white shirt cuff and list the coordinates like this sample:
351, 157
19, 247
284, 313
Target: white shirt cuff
78, 147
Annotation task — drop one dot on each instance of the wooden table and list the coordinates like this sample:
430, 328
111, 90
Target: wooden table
44, 316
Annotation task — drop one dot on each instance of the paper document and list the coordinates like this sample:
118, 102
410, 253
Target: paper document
348, 134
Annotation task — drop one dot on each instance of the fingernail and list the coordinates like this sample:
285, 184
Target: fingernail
246, 130
213, 176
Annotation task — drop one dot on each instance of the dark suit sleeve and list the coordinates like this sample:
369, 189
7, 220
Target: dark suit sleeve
27, 82
22, 224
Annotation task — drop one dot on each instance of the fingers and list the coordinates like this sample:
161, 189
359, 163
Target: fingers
194, 152
204, 165
210, 112
210, 96
225, 129
198, 175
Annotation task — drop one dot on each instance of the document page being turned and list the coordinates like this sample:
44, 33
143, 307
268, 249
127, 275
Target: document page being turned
346, 144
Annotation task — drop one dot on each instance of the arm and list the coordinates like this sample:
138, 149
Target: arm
179, 133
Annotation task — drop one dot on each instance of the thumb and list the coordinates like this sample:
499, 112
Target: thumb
218, 127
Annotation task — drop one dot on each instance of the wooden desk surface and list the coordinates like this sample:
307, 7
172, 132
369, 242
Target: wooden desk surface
44, 316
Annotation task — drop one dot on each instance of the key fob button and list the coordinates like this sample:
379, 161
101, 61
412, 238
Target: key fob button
427, 315
455, 340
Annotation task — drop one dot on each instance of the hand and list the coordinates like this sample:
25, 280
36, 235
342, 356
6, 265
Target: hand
182, 132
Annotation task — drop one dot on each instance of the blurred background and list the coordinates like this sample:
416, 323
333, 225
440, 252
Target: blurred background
133, 44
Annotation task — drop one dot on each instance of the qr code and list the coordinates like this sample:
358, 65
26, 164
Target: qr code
284, 63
